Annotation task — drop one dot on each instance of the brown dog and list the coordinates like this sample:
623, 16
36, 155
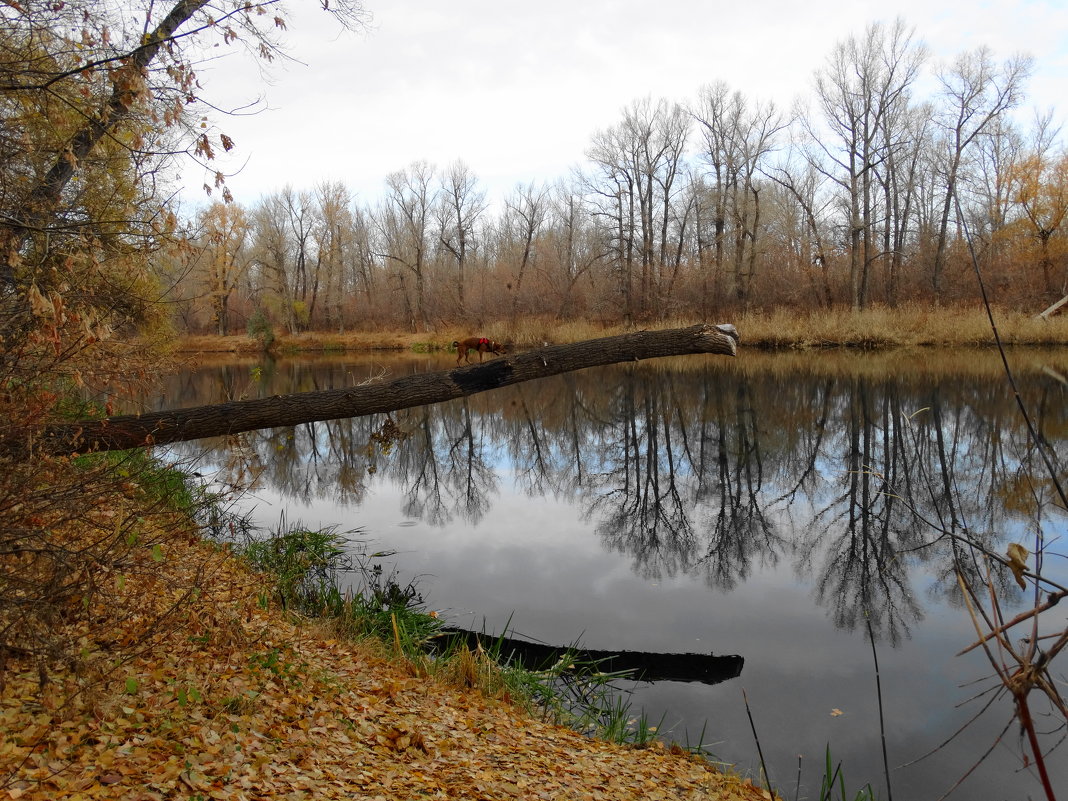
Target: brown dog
480, 344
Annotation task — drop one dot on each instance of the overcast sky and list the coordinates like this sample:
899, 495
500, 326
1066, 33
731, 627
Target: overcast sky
517, 89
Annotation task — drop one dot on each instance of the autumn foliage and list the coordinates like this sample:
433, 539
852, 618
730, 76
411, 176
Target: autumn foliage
94, 110
233, 698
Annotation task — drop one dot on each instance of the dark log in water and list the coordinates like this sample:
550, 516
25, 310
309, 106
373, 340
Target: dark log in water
224, 419
643, 665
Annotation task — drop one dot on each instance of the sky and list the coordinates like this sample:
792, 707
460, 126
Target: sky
517, 90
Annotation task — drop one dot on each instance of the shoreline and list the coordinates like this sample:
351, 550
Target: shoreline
875, 329
231, 696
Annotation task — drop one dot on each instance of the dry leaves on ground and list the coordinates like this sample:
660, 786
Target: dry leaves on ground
232, 701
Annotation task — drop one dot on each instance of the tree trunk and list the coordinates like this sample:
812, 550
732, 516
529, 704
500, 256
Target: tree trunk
1045, 315
180, 425
643, 665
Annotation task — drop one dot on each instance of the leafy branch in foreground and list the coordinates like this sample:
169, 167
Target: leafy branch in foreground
93, 108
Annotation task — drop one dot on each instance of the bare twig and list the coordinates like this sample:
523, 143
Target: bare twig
1054, 599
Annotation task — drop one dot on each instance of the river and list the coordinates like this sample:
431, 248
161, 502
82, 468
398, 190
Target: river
782, 507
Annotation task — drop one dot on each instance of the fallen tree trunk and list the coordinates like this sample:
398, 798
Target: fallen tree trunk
222, 419
1045, 314
643, 665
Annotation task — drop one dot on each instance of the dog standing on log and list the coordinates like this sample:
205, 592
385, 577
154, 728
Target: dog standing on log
480, 344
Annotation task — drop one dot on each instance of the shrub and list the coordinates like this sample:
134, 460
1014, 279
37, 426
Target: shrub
261, 329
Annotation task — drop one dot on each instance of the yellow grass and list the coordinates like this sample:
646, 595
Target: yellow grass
781, 328
904, 326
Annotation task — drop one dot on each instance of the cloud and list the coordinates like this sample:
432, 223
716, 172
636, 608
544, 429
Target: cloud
517, 90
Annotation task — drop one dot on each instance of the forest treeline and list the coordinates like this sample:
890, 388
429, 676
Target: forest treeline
869, 196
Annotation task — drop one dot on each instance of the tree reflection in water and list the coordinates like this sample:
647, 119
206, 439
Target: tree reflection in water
697, 467
855, 474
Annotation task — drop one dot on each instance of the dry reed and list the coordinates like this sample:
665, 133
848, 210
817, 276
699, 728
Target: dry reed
875, 328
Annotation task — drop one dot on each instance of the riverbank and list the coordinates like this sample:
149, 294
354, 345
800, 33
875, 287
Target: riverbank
208, 691
912, 326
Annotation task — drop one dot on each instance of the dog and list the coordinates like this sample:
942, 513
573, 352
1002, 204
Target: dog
480, 344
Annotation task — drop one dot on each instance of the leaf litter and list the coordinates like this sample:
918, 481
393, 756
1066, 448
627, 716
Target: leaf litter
226, 699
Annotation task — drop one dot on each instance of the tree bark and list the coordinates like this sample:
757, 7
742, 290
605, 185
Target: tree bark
222, 419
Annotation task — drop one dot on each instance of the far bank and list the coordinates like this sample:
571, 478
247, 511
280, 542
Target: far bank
877, 328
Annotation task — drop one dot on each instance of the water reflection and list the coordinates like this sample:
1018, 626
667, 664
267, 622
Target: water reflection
851, 474
706, 470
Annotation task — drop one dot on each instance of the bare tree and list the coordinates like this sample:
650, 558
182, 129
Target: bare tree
404, 222
302, 220
360, 264
287, 234
906, 138
975, 93
224, 257
574, 243
736, 140
612, 199
272, 255
333, 240
640, 161
803, 184
525, 213
461, 203
862, 92
994, 168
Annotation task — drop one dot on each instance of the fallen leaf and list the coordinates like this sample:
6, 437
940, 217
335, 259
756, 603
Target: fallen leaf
836, 712
1017, 555
280, 712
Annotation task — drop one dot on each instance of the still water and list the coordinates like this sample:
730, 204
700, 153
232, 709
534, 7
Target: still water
779, 507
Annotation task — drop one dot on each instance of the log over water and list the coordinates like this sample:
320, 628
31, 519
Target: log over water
643, 665
224, 419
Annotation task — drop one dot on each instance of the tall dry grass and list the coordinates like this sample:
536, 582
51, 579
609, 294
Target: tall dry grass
901, 326
880, 327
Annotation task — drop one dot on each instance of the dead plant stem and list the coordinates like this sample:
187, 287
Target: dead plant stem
1054, 598
1023, 711
760, 751
882, 718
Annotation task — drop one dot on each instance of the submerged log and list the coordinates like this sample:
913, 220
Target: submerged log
643, 665
235, 417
